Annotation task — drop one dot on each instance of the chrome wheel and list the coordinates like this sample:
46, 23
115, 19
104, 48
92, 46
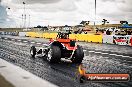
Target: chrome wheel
31, 52
49, 55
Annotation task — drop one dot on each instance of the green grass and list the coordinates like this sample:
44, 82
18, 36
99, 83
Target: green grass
4, 82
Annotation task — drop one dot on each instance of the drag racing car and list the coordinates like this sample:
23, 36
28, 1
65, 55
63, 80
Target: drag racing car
61, 47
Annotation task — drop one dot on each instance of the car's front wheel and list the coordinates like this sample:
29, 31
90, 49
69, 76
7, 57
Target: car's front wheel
33, 51
54, 54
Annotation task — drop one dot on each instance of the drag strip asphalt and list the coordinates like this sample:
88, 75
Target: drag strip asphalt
16, 51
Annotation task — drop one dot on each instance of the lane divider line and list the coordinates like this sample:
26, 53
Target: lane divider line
108, 54
84, 50
104, 53
112, 54
32, 42
118, 55
19, 40
125, 56
38, 43
5, 38
98, 52
25, 41
91, 51
130, 57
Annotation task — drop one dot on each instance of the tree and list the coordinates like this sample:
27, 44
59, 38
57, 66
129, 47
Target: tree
39, 26
124, 22
85, 22
105, 21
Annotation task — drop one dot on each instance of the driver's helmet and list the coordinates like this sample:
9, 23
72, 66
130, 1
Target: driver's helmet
62, 35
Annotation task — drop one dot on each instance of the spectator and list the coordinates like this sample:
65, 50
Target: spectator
107, 32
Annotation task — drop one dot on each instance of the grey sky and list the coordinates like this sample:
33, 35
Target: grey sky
61, 12
36, 1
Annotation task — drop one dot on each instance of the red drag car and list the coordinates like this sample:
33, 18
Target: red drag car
61, 47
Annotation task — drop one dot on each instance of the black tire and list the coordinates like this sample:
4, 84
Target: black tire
82, 79
55, 54
33, 50
78, 55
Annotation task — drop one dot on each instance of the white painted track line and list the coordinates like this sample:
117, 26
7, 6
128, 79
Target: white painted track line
38, 43
125, 56
104, 53
32, 42
25, 41
119, 55
112, 54
91, 51
19, 40
5, 38
84, 50
98, 52
12, 39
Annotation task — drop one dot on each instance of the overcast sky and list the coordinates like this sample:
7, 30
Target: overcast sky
63, 12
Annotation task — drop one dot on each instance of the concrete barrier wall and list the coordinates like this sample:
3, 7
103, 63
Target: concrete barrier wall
41, 35
108, 39
22, 34
87, 37
30, 34
38, 35
78, 37
49, 35
95, 38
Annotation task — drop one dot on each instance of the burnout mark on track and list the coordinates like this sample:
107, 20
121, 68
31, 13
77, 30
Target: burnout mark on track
25, 77
2, 66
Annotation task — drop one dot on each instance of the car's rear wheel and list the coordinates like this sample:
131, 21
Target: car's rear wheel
54, 54
78, 55
33, 51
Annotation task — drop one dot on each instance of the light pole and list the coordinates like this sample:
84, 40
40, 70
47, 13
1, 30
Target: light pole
8, 8
95, 13
24, 15
29, 22
22, 21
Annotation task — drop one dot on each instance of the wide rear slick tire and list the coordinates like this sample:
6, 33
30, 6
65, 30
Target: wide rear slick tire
33, 51
55, 54
78, 55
